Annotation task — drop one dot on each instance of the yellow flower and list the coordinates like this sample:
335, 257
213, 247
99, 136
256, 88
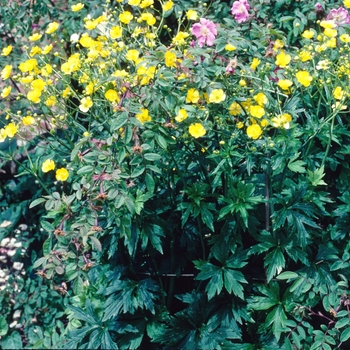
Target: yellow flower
149, 18
28, 120
34, 96
304, 56
35, 37
197, 130
72, 65
242, 83
180, 37
112, 95
90, 88
261, 99
345, 38
304, 78
134, 2
308, 34
28, 66
332, 43
323, 65
257, 111
143, 116
331, 33
282, 59
170, 59
85, 104
62, 174
125, 17
38, 84
192, 96
52, 27
282, 121
6, 91
167, 6
6, 72
46, 70
254, 131
278, 45
77, 7
239, 125
338, 93
116, 32
11, 129
264, 123
36, 50
217, 96
3, 135
181, 115
285, 84
235, 109
66, 92
6, 50
51, 101
146, 3
230, 47
346, 3
255, 63
132, 55
327, 24
192, 15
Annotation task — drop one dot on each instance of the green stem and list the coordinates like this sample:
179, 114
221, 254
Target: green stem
331, 127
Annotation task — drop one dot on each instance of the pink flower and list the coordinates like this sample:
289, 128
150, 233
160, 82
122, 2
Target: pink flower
205, 32
240, 10
339, 16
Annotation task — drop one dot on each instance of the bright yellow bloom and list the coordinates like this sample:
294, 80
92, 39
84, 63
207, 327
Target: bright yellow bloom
46, 70
170, 59
91, 25
192, 15
85, 104
230, 47
90, 88
6, 72
35, 37
255, 63
112, 95
181, 115
52, 27
51, 101
134, 2
331, 33
146, 3
308, 34
338, 93
143, 116
11, 129
261, 99
257, 111
332, 43
278, 45
167, 6
285, 84
6, 91
254, 131
180, 37
38, 84
34, 96
72, 65
327, 24
346, 3
77, 7
239, 125
3, 135
26, 80
345, 38
62, 174
149, 18
304, 78
28, 120
125, 17
304, 56
217, 96
282, 121
192, 96
116, 32
36, 50
132, 55
264, 123
282, 59
235, 109
28, 66
6, 50
197, 130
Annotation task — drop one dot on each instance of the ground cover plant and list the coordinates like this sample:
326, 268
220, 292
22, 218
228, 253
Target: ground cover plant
184, 167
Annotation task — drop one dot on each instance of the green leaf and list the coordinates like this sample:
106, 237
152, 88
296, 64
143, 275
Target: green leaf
316, 176
3, 326
342, 322
161, 141
345, 335
78, 286
13, 341
297, 166
37, 202
87, 169
150, 184
287, 275
47, 246
152, 157
47, 226
96, 243
138, 171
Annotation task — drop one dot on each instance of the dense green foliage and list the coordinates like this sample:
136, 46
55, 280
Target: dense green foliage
198, 202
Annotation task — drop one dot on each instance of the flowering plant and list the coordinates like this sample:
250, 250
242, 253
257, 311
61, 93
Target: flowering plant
206, 152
